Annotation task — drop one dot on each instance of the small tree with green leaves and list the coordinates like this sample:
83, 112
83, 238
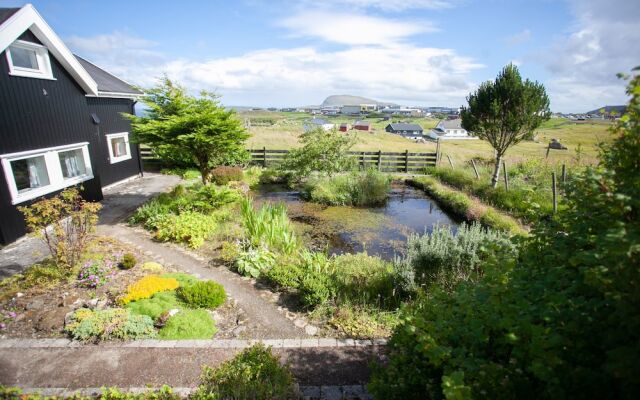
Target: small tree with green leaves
196, 129
505, 112
322, 151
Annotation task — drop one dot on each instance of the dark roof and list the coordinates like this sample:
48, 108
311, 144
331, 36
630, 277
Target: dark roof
452, 123
6, 13
107, 82
405, 127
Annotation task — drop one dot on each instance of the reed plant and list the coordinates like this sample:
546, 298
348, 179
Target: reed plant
269, 226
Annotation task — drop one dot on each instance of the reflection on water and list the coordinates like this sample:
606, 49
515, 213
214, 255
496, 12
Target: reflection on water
381, 230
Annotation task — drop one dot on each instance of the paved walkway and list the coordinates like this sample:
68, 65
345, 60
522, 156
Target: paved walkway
59, 363
118, 203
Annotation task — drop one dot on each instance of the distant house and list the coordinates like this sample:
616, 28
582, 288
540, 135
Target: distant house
362, 126
344, 127
450, 129
413, 131
316, 123
358, 109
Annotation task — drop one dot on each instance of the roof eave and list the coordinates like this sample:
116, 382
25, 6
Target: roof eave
28, 18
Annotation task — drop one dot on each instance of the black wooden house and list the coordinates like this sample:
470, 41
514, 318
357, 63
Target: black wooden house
60, 120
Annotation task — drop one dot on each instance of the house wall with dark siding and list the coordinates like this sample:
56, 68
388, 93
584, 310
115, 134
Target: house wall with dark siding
42, 113
110, 110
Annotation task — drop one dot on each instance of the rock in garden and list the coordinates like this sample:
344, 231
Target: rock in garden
36, 304
300, 323
311, 330
53, 320
238, 330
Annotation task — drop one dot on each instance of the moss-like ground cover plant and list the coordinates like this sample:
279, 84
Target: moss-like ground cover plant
559, 321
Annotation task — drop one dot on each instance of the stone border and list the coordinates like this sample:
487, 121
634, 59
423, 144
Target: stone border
214, 343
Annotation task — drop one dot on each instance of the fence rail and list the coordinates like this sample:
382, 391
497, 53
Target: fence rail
382, 160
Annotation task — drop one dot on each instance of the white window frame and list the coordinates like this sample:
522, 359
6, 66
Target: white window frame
124, 135
52, 162
42, 56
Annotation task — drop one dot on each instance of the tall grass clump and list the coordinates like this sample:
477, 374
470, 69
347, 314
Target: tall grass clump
269, 226
356, 188
444, 257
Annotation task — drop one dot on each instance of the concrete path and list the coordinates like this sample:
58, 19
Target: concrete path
119, 201
59, 363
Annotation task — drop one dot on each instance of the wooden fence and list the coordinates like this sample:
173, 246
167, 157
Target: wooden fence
383, 161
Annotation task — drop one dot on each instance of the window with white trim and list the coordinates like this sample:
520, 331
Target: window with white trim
119, 149
34, 173
29, 60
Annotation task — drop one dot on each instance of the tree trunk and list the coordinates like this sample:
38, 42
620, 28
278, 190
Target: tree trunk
496, 172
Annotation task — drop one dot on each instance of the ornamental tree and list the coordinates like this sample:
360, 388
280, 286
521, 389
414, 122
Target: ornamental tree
197, 130
505, 112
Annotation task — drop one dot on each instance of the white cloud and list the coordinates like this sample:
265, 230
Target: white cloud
392, 5
353, 29
583, 64
518, 38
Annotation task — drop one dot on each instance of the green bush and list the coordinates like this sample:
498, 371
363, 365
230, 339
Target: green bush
255, 373
285, 273
559, 321
188, 324
445, 258
128, 261
112, 323
203, 294
155, 306
357, 188
191, 228
182, 278
316, 288
223, 174
254, 261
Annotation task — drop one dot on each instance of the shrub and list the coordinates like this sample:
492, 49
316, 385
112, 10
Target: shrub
153, 267
188, 324
446, 258
112, 323
203, 294
255, 373
191, 228
316, 288
285, 273
128, 261
361, 323
150, 215
229, 252
255, 260
94, 274
223, 175
359, 189
156, 305
147, 287
64, 222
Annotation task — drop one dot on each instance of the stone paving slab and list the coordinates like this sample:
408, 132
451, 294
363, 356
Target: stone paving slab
98, 366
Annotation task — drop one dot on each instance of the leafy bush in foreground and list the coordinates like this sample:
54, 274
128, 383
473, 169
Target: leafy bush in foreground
269, 226
559, 321
204, 294
112, 323
255, 373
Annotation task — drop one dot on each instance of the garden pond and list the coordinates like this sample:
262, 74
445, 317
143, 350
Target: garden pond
381, 230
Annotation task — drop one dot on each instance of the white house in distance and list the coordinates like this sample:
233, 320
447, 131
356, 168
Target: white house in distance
450, 129
316, 123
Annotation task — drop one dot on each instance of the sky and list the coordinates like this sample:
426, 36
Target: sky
412, 52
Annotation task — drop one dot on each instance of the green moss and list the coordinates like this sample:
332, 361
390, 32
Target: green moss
183, 279
189, 324
156, 305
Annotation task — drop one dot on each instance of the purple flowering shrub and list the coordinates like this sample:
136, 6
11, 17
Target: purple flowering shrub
6, 316
95, 273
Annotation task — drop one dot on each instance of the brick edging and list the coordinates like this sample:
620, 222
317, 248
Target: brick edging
214, 343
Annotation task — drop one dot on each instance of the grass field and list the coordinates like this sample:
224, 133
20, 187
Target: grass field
278, 130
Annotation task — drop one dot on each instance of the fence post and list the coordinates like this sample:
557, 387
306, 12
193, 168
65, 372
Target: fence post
437, 151
564, 173
362, 160
473, 163
506, 176
406, 161
264, 155
379, 160
450, 162
555, 193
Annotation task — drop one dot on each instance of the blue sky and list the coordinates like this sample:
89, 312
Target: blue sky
426, 52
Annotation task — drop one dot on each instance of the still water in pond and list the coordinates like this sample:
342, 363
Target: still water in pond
381, 230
